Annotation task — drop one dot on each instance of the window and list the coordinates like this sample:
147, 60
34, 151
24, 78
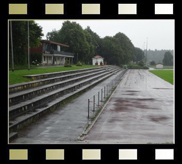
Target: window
58, 48
45, 47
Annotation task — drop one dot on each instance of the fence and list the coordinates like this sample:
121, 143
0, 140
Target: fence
96, 102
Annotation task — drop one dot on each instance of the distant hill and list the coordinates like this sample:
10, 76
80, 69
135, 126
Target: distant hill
156, 55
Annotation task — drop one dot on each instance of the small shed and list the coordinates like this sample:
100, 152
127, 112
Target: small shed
159, 66
97, 60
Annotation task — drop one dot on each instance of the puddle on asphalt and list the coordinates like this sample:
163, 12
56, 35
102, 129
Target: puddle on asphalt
131, 104
146, 99
133, 100
121, 108
131, 91
158, 118
129, 94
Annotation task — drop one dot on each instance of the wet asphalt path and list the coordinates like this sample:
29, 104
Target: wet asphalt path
64, 125
140, 111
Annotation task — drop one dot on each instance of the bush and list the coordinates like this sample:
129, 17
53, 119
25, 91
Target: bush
124, 66
67, 64
152, 63
141, 63
79, 64
36, 58
137, 67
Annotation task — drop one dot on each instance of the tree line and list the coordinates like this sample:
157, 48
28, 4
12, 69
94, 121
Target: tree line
85, 43
160, 56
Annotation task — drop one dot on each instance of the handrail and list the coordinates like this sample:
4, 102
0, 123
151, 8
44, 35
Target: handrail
62, 53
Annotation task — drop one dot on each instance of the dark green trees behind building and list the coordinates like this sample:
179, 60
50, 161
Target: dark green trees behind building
79, 41
86, 43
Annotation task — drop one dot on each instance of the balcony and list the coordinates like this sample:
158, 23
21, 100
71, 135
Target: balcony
62, 53
58, 53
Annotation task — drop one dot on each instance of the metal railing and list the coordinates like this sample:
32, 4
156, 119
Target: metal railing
96, 102
62, 53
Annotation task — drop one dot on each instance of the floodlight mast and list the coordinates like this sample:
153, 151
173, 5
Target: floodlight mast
11, 33
146, 50
28, 47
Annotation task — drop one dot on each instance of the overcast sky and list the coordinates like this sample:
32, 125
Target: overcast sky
160, 33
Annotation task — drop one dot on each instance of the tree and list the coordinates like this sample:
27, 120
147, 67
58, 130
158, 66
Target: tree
116, 50
168, 59
111, 51
141, 63
95, 39
91, 52
73, 35
127, 47
20, 40
156, 55
139, 55
152, 63
35, 34
53, 35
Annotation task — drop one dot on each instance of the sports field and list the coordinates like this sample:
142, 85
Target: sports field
164, 74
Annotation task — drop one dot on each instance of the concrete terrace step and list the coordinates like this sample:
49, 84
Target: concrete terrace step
21, 121
54, 74
17, 97
28, 85
34, 103
13, 135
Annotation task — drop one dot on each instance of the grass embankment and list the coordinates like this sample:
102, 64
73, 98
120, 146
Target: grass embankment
17, 76
167, 75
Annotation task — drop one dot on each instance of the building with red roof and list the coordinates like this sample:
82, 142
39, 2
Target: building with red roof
52, 54
97, 60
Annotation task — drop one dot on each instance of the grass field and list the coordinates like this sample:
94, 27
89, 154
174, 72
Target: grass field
17, 76
167, 75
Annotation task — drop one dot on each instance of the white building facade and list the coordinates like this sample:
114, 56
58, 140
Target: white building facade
159, 66
97, 60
